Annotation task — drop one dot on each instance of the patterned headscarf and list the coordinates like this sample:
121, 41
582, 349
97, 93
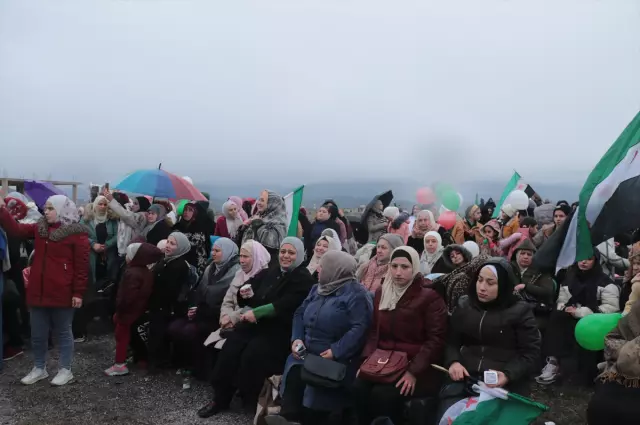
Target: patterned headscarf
270, 226
65, 208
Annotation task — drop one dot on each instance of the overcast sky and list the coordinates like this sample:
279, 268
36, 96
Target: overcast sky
301, 91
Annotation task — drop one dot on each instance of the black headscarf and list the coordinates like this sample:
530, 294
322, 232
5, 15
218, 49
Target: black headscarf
507, 281
583, 285
143, 203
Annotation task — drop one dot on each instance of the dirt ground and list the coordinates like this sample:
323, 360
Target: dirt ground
138, 399
94, 398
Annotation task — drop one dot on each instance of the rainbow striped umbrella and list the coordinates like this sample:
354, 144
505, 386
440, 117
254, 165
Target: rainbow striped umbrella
159, 184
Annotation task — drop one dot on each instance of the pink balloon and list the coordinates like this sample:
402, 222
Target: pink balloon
425, 196
447, 219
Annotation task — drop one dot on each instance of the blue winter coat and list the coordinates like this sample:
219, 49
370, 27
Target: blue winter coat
339, 321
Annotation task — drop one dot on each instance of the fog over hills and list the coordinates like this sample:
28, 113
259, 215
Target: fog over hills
351, 194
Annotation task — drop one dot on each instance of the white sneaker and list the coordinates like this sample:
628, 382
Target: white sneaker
63, 377
34, 376
549, 372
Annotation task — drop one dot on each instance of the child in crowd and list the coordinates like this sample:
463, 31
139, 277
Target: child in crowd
133, 295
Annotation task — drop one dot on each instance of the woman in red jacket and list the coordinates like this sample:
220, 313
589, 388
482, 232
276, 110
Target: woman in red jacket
407, 318
57, 281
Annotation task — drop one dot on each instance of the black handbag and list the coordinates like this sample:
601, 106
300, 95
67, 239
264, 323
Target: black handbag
320, 372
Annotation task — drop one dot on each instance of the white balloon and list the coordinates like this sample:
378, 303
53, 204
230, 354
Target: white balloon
187, 178
518, 199
461, 198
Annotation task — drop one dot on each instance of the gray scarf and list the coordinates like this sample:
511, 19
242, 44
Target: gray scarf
337, 269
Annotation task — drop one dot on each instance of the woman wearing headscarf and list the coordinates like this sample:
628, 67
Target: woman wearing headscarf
463, 268
332, 323
203, 316
103, 235
398, 222
376, 222
158, 225
269, 225
230, 221
258, 346
238, 203
195, 226
617, 392
490, 330
423, 224
432, 260
326, 217
254, 260
169, 278
585, 290
131, 223
468, 228
324, 244
59, 276
372, 273
133, 295
410, 319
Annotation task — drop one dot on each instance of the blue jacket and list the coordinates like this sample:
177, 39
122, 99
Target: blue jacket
339, 321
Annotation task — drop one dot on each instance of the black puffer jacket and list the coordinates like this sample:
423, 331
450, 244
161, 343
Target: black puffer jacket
501, 335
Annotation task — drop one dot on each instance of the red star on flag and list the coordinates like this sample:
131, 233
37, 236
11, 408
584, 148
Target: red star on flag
470, 402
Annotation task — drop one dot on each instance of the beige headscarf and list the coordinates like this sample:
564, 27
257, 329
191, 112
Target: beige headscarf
392, 293
315, 260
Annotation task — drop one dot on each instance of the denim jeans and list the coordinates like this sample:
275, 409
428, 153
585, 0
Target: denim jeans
59, 320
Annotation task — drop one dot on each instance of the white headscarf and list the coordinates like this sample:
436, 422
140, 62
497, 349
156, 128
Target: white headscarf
233, 224
98, 219
132, 250
334, 245
427, 261
65, 208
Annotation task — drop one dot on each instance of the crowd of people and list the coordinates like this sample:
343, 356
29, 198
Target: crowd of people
350, 330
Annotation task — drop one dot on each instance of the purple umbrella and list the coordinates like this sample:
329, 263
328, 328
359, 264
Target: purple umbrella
41, 191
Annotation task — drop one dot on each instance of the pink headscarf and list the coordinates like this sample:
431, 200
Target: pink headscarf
260, 256
238, 201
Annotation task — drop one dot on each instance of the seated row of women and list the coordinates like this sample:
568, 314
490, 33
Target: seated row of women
272, 319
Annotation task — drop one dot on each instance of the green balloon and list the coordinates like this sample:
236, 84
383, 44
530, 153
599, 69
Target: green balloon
442, 189
591, 330
180, 206
450, 200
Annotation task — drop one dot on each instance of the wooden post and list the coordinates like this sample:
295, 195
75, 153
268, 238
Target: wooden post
5, 186
74, 193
